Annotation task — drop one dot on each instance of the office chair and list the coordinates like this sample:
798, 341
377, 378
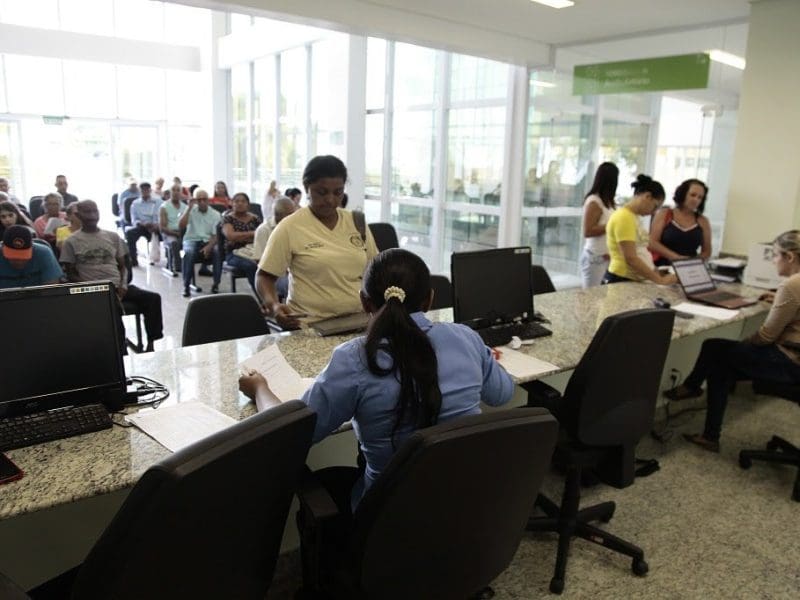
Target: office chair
130, 308
114, 205
442, 292
35, 207
222, 317
234, 272
385, 236
607, 407
778, 450
542, 284
426, 529
205, 522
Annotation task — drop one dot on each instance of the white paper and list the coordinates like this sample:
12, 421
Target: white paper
523, 366
177, 426
703, 310
728, 262
283, 380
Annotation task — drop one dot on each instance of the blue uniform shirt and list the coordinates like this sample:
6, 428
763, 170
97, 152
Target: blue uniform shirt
42, 268
346, 389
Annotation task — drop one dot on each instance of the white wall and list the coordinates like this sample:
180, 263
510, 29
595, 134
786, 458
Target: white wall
764, 196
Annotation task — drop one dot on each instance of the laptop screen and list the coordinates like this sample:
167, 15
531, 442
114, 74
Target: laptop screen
62, 347
693, 276
492, 284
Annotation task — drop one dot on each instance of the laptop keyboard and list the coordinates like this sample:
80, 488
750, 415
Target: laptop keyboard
26, 430
719, 296
501, 335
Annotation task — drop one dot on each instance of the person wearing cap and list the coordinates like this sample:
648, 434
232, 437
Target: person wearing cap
24, 263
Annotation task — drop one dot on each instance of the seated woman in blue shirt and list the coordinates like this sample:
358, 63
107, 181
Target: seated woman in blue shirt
406, 373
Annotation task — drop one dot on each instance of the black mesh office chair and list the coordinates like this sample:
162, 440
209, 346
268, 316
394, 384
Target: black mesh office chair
542, 284
607, 407
35, 206
385, 236
442, 292
222, 317
778, 450
426, 529
114, 205
234, 272
206, 522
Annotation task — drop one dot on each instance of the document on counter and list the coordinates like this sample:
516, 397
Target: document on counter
177, 426
703, 310
523, 366
283, 380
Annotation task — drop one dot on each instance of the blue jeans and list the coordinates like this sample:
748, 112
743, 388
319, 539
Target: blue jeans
247, 266
192, 255
723, 362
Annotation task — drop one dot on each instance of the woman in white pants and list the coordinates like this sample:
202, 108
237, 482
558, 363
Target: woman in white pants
597, 207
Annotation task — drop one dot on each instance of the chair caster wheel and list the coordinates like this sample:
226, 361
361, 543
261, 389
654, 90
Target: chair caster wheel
556, 585
745, 462
639, 567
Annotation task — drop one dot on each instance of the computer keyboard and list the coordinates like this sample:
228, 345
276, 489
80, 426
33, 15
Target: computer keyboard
719, 296
26, 430
500, 335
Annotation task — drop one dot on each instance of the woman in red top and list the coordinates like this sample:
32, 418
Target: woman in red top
221, 197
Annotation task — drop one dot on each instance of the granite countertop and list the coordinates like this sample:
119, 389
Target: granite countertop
66, 470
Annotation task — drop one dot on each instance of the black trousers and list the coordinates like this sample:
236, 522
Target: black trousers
149, 304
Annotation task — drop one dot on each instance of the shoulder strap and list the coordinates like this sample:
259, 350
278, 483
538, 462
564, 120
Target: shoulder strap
360, 222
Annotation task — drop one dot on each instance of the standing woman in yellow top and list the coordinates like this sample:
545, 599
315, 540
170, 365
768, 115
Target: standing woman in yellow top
322, 248
627, 240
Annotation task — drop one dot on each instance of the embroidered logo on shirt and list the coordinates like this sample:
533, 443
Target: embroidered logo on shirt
356, 240
311, 245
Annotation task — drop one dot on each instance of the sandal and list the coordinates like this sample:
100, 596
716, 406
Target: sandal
699, 440
683, 392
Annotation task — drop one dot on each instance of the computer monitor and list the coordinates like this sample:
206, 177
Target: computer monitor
492, 286
61, 348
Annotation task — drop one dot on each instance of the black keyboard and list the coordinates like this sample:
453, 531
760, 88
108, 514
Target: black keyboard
26, 430
719, 296
500, 335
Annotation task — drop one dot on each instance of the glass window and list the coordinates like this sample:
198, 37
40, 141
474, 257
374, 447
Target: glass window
187, 25
555, 87
413, 226
328, 96
139, 20
140, 93
186, 101
466, 231
3, 88
135, 151
376, 73
30, 13
475, 78
625, 144
373, 155
240, 23
87, 16
264, 123
638, 104
240, 92
293, 116
475, 155
84, 95
414, 75
186, 154
10, 166
412, 153
42, 94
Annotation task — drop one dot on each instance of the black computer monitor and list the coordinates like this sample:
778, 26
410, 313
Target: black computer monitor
492, 286
61, 348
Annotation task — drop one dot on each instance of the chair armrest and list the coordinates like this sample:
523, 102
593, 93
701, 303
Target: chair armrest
315, 501
541, 394
10, 590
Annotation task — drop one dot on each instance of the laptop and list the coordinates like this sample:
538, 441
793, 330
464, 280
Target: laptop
343, 324
698, 285
493, 294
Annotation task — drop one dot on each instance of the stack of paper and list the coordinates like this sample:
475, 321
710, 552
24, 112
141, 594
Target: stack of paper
175, 427
701, 310
523, 366
283, 380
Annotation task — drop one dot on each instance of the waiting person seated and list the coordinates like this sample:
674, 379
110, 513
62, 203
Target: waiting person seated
282, 209
61, 188
10, 214
322, 248
295, 195
683, 231
74, 225
627, 240
772, 353
93, 254
169, 216
200, 240
53, 218
239, 228
405, 374
132, 191
221, 197
144, 223
5, 194
24, 263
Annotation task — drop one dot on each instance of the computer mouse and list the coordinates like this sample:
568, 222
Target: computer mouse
661, 303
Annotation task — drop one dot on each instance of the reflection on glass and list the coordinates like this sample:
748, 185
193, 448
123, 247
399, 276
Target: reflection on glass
186, 152
135, 151
376, 72
475, 78
264, 115
414, 75
373, 159
292, 111
239, 162
625, 144
412, 153
328, 96
475, 155
413, 226
466, 231
240, 84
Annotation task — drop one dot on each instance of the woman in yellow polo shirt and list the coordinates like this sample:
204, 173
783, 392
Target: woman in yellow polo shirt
627, 240
323, 249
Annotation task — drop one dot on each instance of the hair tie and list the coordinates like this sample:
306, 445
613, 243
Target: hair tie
394, 292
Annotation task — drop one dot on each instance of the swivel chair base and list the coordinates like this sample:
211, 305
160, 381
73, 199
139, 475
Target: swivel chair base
778, 451
570, 521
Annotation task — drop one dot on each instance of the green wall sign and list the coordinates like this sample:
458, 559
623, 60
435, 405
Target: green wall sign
684, 72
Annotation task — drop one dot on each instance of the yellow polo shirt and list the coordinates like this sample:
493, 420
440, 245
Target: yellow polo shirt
325, 266
624, 226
